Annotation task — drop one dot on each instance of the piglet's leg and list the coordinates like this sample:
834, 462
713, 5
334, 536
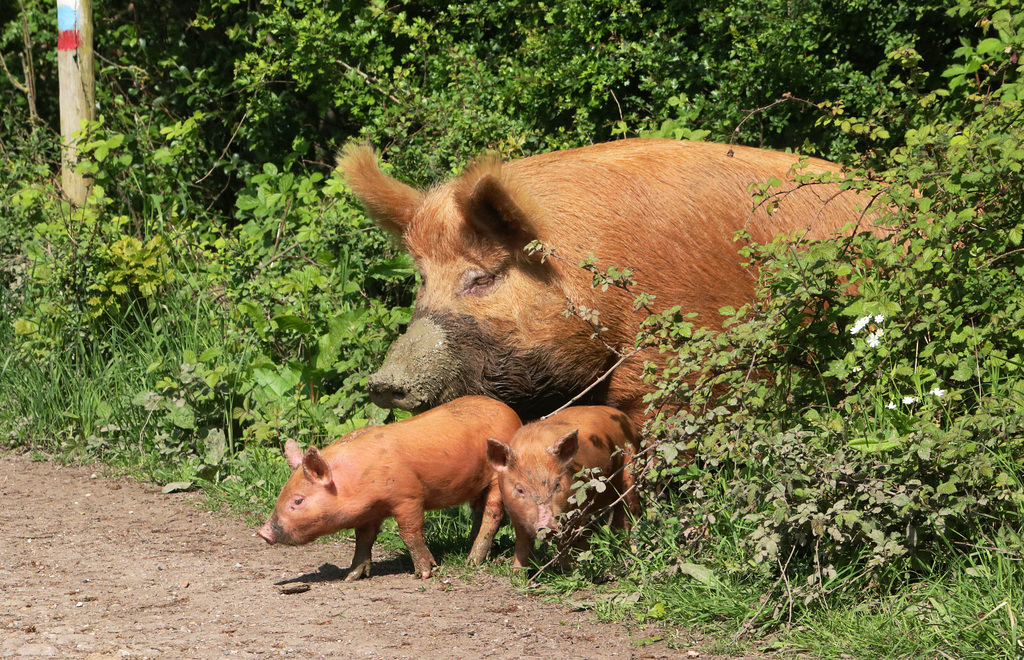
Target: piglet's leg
525, 539
410, 527
365, 536
487, 512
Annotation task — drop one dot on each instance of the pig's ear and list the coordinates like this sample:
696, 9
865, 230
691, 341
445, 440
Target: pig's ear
391, 203
293, 454
565, 448
499, 455
315, 467
495, 210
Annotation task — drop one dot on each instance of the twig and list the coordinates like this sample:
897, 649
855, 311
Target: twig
374, 82
14, 81
226, 146
27, 65
789, 590
616, 99
233, 134
596, 382
786, 96
28, 89
750, 622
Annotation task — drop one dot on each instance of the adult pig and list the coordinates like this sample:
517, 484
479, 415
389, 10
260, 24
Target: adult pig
536, 468
489, 317
431, 461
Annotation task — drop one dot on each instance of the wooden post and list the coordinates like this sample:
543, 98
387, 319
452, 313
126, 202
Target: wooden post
77, 87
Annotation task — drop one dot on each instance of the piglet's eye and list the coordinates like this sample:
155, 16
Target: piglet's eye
298, 500
519, 490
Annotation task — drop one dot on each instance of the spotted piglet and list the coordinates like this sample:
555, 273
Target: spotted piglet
536, 468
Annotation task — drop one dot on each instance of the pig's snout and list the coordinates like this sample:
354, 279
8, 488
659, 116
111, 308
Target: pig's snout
546, 520
267, 532
388, 394
418, 370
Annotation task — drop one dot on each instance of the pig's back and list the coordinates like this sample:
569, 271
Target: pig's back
676, 186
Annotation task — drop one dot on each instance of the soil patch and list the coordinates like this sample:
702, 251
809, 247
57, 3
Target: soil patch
100, 568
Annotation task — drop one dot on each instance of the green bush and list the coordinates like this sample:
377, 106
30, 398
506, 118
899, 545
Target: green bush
881, 435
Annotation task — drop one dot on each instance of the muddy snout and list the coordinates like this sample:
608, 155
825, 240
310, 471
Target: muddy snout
385, 391
418, 371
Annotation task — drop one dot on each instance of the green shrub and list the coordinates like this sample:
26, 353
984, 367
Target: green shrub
880, 437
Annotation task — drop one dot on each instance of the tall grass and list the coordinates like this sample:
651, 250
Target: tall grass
81, 401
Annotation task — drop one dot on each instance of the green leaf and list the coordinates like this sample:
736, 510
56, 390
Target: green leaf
181, 415
281, 382
701, 573
246, 202
177, 487
292, 322
25, 327
216, 447
873, 443
990, 45
210, 354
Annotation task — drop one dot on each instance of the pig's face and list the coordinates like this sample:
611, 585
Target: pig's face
304, 507
535, 480
489, 318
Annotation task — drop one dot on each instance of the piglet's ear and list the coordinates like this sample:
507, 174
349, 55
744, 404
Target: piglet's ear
391, 203
499, 455
315, 467
293, 454
494, 210
565, 448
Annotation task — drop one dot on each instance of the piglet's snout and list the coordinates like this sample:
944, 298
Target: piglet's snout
267, 533
546, 519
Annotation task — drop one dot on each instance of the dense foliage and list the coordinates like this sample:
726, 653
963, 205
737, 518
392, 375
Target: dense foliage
221, 290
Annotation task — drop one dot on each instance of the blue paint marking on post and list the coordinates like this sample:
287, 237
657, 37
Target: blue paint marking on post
67, 17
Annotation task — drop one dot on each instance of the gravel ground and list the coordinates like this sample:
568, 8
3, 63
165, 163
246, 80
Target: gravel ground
97, 568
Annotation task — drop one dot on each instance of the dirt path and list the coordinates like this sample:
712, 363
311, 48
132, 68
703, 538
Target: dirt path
98, 568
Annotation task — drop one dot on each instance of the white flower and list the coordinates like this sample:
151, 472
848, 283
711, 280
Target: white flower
891, 405
859, 325
937, 392
879, 318
874, 337
907, 400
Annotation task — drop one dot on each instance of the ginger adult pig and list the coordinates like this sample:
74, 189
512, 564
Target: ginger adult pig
431, 461
489, 318
536, 469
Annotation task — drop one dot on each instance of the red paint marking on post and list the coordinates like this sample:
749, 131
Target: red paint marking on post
68, 40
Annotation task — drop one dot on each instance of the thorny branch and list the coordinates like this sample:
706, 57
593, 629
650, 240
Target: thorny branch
786, 96
29, 87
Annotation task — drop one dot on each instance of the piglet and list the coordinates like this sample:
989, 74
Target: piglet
434, 460
535, 470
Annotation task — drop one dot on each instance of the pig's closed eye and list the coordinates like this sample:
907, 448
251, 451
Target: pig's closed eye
477, 281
